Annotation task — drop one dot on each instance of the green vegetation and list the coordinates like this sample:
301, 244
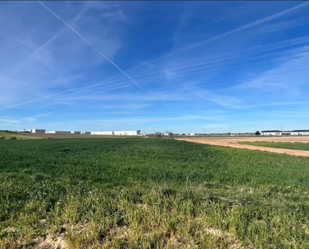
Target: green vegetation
12, 135
293, 146
150, 193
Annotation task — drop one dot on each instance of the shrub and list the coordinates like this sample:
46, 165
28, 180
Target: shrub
158, 134
13, 138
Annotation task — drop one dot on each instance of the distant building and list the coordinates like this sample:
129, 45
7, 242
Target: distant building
200, 134
285, 133
271, 133
300, 133
38, 131
102, 133
117, 133
75, 132
127, 133
26, 130
58, 132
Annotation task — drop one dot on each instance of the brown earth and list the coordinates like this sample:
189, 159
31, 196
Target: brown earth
234, 143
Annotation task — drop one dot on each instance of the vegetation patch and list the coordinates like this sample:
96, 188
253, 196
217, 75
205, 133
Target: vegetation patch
293, 146
150, 193
13, 136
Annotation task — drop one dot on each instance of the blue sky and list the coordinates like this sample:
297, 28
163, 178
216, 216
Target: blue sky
154, 66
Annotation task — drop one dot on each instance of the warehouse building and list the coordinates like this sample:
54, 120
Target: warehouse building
102, 133
271, 133
38, 131
58, 132
200, 134
285, 133
76, 132
300, 133
128, 133
117, 133
26, 130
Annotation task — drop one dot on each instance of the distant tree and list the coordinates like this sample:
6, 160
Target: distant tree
170, 133
158, 134
257, 133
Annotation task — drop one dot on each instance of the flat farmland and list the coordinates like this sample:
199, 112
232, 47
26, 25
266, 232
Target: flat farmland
150, 193
256, 143
283, 145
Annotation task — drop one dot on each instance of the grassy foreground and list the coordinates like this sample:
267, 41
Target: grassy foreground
293, 146
150, 193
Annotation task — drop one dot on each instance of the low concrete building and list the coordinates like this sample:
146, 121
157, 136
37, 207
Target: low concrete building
117, 133
300, 133
102, 133
127, 133
38, 131
26, 130
285, 133
58, 132
75, 132
271, 133
200, 134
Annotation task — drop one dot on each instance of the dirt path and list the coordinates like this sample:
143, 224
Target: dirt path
233, 142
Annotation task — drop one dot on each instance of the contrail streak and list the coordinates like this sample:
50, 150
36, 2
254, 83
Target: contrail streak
50, 95
45, 44
101, 83
35, 52
121, 81
249, 25
94, 48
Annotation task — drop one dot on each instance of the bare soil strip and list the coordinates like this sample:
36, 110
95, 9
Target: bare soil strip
233, 142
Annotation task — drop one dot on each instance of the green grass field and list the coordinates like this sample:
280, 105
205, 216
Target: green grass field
10, 135
150, 193
293, 146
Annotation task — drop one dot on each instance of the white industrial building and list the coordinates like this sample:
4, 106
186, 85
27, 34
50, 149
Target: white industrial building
300, 133
271, 133
76, 132
119, 133
102, 133
26, 130
200, 134
285, 133
38, 131
58, 132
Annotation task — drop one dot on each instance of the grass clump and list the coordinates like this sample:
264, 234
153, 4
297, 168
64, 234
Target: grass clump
150, 193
